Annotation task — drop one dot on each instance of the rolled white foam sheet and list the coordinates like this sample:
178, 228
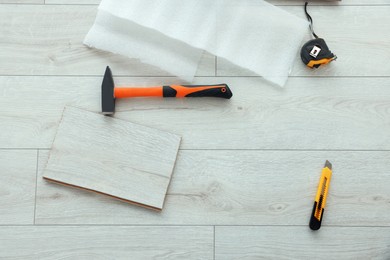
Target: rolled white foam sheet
252, 34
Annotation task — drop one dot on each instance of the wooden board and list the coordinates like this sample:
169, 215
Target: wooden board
116, 242
113, 157
243, 188
311, 113
349, 243
18, 170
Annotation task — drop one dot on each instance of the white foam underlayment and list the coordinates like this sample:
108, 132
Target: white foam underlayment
172, 34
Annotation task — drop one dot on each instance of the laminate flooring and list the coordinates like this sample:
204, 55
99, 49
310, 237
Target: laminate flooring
248, 168
113, 157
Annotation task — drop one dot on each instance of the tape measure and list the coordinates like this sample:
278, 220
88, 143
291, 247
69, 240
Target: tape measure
315, 52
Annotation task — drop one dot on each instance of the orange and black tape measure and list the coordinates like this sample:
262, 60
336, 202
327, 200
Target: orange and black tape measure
315, 52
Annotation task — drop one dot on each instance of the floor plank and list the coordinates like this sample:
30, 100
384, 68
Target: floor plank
47, 40
22, 1
101, 242
241, 188
323, 2
322, 113
120, 159
353, 33
18, 169
274, 2
70, 2
301, 243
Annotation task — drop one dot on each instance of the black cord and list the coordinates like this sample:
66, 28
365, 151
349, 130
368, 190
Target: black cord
310, 20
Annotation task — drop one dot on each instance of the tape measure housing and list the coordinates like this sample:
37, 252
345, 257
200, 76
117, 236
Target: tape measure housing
316, 53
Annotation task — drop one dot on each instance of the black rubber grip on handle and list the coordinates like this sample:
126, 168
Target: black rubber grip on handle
219, 91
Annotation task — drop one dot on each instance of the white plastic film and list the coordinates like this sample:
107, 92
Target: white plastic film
249, 33
121, 36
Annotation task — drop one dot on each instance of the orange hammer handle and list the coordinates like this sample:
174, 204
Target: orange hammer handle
138, 92
221, 91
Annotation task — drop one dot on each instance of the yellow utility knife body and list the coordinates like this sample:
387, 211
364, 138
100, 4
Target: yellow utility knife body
320, 200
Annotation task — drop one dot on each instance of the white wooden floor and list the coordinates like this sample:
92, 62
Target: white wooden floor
247, 171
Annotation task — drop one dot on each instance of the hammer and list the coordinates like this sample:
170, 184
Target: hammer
110, 93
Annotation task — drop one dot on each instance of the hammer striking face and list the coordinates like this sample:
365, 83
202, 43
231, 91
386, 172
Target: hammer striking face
110, 92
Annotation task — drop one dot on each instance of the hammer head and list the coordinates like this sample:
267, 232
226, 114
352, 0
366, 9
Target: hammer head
108, 99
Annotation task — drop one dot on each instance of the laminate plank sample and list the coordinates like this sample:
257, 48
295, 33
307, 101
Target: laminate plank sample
229, 187
356, 38
311, 113
18, 170
48, 40
358, 243
113, 157
99, 242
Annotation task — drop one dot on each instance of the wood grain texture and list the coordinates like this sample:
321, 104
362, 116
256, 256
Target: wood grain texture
70, 2
310, 113
22, 1
243, 188
31, 107
118, 242
18, 171
326, 2
274, 2
357, 39
301, 243
229, 187
113, 157
47, 40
